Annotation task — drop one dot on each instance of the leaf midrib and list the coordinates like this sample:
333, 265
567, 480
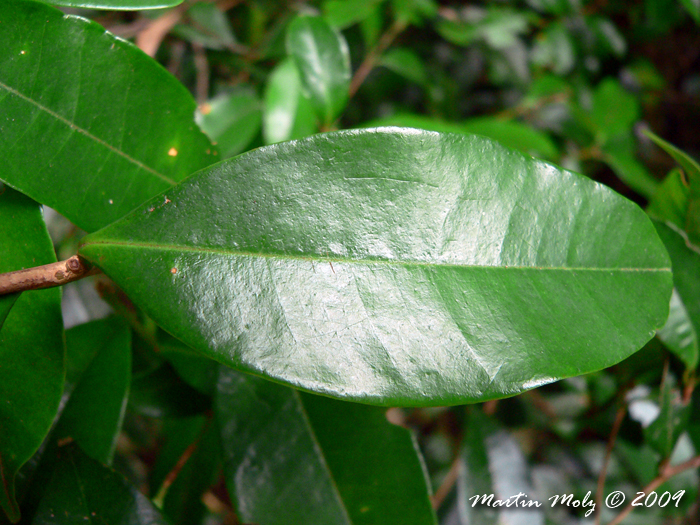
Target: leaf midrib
320, 258
73, 126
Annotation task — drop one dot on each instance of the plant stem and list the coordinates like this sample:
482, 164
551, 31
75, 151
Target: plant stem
619, 417
446, 486
666, 473
47, 276
373, 56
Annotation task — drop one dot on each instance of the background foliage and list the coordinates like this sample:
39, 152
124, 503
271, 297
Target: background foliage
579, 84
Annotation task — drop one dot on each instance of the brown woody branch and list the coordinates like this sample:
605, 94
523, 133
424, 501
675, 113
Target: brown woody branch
666, 473
47, 276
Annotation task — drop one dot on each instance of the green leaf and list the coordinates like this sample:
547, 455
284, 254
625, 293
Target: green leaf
126, 5
630, 171
670, 201
23, 237
406, 63
83, 491
95, 410
414, 11
31, 345
182, 501
491, 462
162, 393
278, 443
693, 7
91, 126
322, 56
555, 48
499, 28
679, 201
394, 266
509, 133
671, 422
197, 371
288, 113
686, 279
208, 26
679, 335
344, 13
685, 161
232, 121
614, 110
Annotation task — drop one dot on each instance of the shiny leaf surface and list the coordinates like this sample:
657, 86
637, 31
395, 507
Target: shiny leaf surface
91, 126
322, 56
95, 409
394, 266
287, 113
295, 459
31, 345
130, 5
84, 491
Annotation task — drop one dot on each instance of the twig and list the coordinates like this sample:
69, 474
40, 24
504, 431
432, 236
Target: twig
201, 64
667, 472
542, 404
619, 417
150, 38
446, 485
374, 55
47, 276
159, 500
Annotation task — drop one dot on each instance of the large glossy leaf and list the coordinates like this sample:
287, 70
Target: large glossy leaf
31, 345
84, 491
129, 5
295, 459
394, 266
90, 125
322, 56
95, 410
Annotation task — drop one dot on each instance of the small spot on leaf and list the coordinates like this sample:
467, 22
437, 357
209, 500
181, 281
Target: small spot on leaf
173, 270
172, 152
